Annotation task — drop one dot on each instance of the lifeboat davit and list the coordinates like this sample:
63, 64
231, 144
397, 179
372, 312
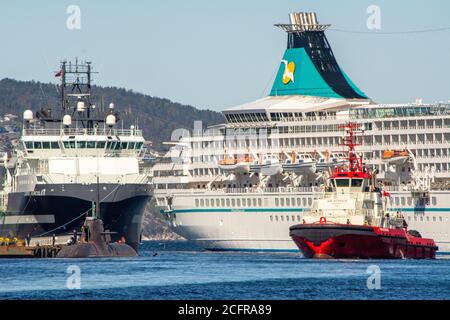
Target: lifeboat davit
395, 156
268, 165
300, 163
235, 165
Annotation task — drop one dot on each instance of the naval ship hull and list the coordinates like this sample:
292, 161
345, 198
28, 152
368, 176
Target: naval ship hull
61, 208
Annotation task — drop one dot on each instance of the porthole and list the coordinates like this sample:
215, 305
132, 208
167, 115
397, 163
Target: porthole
277, 202
259, 202
228, 202
196, 202
202, 202
271, 218
238, 202
299, 203
222, 202
282, 202
276, 218
233, 202
288, 202
282, 218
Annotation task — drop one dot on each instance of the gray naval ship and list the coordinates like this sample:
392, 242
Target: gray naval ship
70, 157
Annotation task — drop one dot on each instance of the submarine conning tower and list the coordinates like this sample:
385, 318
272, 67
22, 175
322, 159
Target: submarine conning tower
308, 66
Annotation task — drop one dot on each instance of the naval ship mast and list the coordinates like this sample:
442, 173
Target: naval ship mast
76, 99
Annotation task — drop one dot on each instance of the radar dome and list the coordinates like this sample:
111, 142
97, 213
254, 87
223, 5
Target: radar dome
28, 115
67, 120
111, 120
80, 106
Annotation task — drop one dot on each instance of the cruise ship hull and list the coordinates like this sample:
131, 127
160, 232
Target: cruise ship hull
61, 208
265, 227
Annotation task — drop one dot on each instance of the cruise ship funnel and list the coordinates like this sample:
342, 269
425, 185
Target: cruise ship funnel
309, 66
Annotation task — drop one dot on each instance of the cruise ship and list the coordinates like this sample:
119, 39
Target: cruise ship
72, 160
242, 184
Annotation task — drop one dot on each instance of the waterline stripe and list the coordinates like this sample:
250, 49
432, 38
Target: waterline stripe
297, 210
420, 209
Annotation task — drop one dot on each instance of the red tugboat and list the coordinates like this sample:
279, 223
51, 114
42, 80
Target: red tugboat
349, 220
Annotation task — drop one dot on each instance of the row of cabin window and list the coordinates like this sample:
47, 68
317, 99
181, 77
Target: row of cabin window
283, 218
233, 202
435, 219
409, 200
113, 145
281, 202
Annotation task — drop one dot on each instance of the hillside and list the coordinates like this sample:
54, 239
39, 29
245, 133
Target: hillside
157, 117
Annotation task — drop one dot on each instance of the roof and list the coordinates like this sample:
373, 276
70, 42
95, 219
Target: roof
296, 103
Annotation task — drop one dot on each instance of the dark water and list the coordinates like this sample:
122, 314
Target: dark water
182, 271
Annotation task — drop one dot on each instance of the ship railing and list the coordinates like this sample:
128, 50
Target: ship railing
270, 190
82, 132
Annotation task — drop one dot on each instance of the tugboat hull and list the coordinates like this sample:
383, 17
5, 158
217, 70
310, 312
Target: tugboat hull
338, 241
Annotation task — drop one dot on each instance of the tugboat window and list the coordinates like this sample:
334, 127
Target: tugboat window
342, 182
357, 182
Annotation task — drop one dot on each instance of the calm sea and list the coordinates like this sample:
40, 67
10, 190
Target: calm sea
179, 270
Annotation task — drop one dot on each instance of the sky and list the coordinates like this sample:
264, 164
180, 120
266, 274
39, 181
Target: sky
215, 54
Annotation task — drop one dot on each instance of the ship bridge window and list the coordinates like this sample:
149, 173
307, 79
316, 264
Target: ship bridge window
38, 145
46, 145
69, 144
138, 145
131, 145
90, 144
342, 182
357, 182
101, 144
81, 144
29, 144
